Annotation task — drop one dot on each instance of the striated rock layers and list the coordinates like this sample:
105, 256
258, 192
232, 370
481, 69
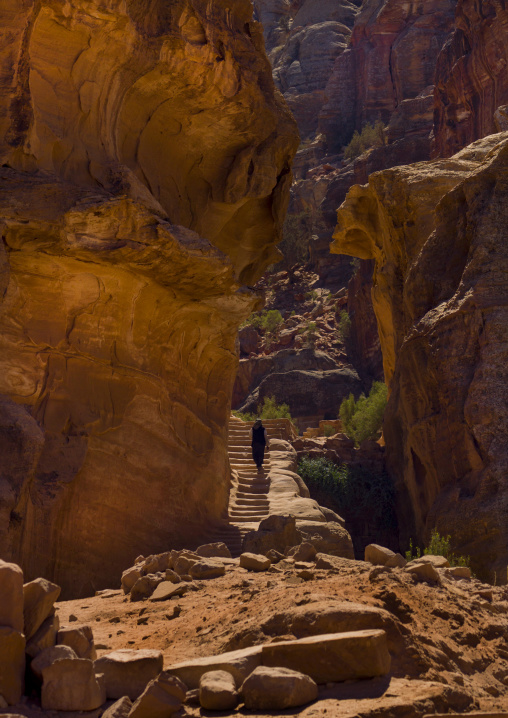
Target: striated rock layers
390, 61
472, 81
437, 232
145, 172
304, 39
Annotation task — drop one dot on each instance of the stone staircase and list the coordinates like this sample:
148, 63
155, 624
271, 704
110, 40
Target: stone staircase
249, 498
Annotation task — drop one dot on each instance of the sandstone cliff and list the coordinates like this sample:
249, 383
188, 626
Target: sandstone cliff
471, 78
145, 172
437, 233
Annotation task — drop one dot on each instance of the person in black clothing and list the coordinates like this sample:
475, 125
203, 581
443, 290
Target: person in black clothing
259, 442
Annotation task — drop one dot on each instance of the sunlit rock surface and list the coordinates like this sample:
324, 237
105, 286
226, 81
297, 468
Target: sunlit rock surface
146, 167
437, 231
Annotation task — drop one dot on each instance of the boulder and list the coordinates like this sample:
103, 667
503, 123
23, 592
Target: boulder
161, 698
172, 576
275, 532
276, 688
304, 552
212, 550
39, 597
436, 561
396, 561
145, 586
11, 596
239, 663
12, 664
48, 656
207, 569
378, 555
334, 656
327, 537
459, 572
274, 556
158, 562
130, 576
45, 637
80, 639
120, 709
326, 617
183, 564
167, 590
217, 691
254, 562
423, 571
127, 672
70, 684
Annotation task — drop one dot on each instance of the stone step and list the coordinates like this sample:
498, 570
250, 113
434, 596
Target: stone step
249, 519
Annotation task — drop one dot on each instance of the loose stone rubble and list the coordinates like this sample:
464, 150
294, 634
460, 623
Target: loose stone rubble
362, 648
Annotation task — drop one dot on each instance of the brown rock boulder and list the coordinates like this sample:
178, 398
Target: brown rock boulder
327, 537
70, 684
12, 664
11, 595
48, 656
161, 698
44, 637
217, 691
80, 639
39, 597
333, 657
275, 532
276, 688
127, 672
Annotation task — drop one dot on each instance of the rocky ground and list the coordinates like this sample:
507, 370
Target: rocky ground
447, 638
305, 362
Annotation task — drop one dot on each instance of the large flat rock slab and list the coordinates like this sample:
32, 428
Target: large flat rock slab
334, 656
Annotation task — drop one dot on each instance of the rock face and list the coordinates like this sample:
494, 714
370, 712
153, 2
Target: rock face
471, 80
391, 58
145, 173
303, 40
437, 233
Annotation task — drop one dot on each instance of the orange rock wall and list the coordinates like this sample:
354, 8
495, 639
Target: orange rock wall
437, 233
146, 171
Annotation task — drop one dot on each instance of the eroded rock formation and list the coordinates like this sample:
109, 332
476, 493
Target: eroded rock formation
471, 78
145, 173
437, 231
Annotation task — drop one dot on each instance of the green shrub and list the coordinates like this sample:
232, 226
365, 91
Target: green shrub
272, 410
356, 492
268, 321
363, 419
370, 136
296, 232
269, 410
438, 546
328, 430
244, 416
343, 325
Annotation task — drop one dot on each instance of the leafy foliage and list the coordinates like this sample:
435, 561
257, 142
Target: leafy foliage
438, 546
356, 491
296, 233
343, 325
266, 321
363, 419
269, 410
328, 430
370, 136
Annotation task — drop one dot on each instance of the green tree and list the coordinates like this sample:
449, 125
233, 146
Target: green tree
370, 136
363, 419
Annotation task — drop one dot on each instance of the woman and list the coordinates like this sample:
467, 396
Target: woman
259, 441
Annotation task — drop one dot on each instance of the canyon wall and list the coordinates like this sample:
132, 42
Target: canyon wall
472, 82
145, 172
437, 232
